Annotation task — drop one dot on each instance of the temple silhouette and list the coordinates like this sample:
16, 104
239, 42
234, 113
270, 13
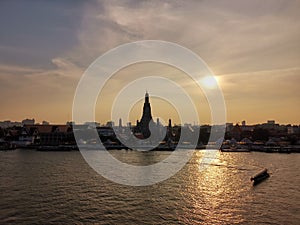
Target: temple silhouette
146, 120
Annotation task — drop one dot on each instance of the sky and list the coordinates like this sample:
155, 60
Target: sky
251, 46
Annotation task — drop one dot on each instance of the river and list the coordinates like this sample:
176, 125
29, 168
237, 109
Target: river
61, 188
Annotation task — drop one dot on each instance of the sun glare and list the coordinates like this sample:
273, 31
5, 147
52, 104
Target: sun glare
209, 82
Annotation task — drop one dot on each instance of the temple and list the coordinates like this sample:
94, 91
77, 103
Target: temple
143, 124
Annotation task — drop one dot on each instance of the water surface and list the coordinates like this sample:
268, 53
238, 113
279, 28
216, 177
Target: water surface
60, 188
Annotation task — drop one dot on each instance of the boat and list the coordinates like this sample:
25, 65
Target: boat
259, 177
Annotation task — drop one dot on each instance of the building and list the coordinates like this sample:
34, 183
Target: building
49, 135
229, 127
243, 123
292, 129
146, 120
110, 124
105, 131
92, 124
8, 123
45, 123
236, 132
28, 122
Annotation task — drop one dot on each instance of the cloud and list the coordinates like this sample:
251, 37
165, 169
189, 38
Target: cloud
256, 41
17, 70
251, 44
231, 37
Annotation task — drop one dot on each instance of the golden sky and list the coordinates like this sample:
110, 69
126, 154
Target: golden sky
251, 46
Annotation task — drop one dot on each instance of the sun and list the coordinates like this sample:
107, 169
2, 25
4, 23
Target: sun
210, 82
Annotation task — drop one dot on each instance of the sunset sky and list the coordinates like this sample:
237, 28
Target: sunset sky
253, 47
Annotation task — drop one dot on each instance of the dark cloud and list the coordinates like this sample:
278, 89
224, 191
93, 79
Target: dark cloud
34, 32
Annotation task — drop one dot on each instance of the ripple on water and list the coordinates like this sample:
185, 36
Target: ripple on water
60, 188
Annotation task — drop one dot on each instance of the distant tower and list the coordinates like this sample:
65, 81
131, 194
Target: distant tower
243, 123
120, 122
146, 118
169, 129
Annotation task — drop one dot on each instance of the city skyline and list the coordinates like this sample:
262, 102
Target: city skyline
251, 47
32, 121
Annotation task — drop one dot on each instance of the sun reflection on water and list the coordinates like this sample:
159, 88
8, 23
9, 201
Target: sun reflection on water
216, 196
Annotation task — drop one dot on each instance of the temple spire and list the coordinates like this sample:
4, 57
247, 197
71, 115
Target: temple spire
146, 117
147, 97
